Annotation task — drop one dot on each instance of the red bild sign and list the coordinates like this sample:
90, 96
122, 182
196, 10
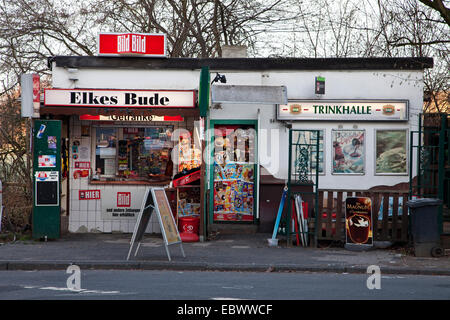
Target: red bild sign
124, 199
143, 44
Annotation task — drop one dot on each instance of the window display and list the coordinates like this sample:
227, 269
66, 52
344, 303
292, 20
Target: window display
234, 173
348, 151
105, 151
189, 157
188, 201
391, 152
138, 153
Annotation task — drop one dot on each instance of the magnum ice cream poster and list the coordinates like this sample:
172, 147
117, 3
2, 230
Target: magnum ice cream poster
348, 151
358, 220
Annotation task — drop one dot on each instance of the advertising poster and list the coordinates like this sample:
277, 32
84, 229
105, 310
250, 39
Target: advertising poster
167, 220
121, 205
358, 221
51, 141
47, 161
348, 151
234, 174
391, 155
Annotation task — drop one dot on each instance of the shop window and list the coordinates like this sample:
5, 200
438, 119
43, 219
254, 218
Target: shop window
189, 157
134, 153
105, 151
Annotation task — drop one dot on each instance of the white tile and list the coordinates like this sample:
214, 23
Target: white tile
99, 225
75, 204
116, 225
83, 183
76, 183
74, 216
90, 205
98, 216
91, 226
91, 216
83, 216
84, 205
124, 225
107, 226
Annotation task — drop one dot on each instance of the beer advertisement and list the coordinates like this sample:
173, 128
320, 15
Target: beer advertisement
358, 221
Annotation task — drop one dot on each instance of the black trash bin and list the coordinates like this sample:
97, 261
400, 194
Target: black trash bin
424, 226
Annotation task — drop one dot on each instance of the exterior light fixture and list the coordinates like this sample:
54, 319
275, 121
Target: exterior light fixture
219, 78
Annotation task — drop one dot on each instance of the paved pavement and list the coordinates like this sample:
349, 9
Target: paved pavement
249, 252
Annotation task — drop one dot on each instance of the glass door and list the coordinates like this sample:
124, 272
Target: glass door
233, 172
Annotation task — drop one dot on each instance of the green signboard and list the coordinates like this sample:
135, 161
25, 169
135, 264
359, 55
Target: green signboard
46, 179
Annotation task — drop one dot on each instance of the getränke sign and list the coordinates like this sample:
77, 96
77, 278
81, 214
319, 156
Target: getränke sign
142, 44
344, 110
120, 98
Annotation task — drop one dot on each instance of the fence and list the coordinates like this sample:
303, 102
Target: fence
389, 214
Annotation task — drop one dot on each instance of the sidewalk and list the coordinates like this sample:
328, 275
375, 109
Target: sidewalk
225, 253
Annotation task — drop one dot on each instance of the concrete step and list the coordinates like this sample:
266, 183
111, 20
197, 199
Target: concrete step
228, 228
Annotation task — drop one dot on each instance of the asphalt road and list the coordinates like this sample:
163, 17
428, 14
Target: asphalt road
189, 285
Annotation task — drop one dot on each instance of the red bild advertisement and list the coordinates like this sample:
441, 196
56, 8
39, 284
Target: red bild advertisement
142, 44
124, 199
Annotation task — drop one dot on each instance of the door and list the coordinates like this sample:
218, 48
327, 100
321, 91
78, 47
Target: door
233, 171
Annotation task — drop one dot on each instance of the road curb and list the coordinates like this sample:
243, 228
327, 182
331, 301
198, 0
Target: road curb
204, 266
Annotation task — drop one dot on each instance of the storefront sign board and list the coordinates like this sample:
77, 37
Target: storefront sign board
109, 98
344, 110
131, 118
249, 94
138, 44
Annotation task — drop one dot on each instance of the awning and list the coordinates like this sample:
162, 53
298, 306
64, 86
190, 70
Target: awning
62, 110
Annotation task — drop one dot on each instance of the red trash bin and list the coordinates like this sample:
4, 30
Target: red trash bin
188, 227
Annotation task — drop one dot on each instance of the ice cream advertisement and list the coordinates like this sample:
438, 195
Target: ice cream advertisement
358, 221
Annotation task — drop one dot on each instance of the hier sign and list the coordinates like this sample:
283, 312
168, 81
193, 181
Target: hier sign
141, 44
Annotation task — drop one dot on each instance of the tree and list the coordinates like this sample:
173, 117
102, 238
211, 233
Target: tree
412, 29
194, 28
440, 7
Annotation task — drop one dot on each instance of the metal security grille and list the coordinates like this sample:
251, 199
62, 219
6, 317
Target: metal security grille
430, 148
305, 162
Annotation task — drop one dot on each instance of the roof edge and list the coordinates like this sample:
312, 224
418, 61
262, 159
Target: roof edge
257, 64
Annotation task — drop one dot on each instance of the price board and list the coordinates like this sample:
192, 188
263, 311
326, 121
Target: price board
155, 200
